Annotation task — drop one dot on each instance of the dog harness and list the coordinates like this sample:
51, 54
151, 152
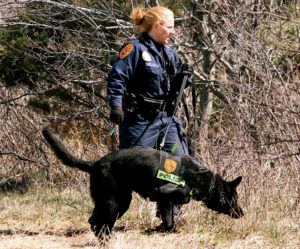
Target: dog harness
169, 168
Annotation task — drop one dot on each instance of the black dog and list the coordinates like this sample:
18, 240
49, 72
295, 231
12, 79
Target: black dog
116, 175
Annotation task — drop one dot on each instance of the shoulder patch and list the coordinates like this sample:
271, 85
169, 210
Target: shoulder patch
126, 50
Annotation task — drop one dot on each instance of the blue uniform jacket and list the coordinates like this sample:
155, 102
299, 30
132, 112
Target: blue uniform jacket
141, 71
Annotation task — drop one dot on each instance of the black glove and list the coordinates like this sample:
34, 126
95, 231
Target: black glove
116, 115
187, 69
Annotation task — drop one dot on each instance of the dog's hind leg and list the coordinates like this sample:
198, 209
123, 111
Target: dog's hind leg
123, 203
104, 217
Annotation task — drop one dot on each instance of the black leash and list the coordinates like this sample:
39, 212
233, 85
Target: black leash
180, 94
192, 132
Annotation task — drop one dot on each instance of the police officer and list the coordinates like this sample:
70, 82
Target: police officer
140, 83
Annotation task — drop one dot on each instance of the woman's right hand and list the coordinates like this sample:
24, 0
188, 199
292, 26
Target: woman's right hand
116, 115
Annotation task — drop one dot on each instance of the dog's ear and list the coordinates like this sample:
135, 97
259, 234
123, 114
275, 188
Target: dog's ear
235, 182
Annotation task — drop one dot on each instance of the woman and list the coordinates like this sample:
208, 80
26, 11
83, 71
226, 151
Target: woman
141, 81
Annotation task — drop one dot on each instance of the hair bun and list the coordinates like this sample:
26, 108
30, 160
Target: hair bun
143, 19
137, 15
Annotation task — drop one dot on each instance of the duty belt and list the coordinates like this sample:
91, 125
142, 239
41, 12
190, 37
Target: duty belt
133, 103
153, 105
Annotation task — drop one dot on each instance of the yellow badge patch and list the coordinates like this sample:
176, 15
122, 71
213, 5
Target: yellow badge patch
170, 165
126, 50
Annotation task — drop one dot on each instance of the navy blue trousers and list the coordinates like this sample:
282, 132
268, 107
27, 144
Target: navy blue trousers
148, 130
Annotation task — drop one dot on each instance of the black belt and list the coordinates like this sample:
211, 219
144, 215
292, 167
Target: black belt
133, 102
152, 105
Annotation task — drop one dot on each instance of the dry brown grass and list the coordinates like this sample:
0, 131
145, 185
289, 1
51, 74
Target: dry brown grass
57, 218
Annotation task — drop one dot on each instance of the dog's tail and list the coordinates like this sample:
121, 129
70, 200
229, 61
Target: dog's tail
63, 154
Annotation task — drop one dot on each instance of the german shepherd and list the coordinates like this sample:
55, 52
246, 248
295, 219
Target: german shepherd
116, 175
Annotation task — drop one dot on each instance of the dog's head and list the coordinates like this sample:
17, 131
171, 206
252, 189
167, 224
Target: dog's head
222, 197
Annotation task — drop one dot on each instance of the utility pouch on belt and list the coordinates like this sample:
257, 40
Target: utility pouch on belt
153, 105
130, 102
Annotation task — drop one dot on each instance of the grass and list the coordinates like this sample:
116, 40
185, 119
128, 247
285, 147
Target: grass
49, 217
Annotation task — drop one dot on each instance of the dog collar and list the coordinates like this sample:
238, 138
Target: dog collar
192, 191
212, 187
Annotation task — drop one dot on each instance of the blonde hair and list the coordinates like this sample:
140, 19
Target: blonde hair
143, 19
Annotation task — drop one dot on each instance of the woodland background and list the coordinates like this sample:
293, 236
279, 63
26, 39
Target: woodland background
55, 55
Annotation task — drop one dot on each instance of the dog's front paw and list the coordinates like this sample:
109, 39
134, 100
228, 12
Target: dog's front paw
162, 228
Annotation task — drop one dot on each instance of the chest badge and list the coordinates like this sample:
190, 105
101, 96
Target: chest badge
170, 165
146, 56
